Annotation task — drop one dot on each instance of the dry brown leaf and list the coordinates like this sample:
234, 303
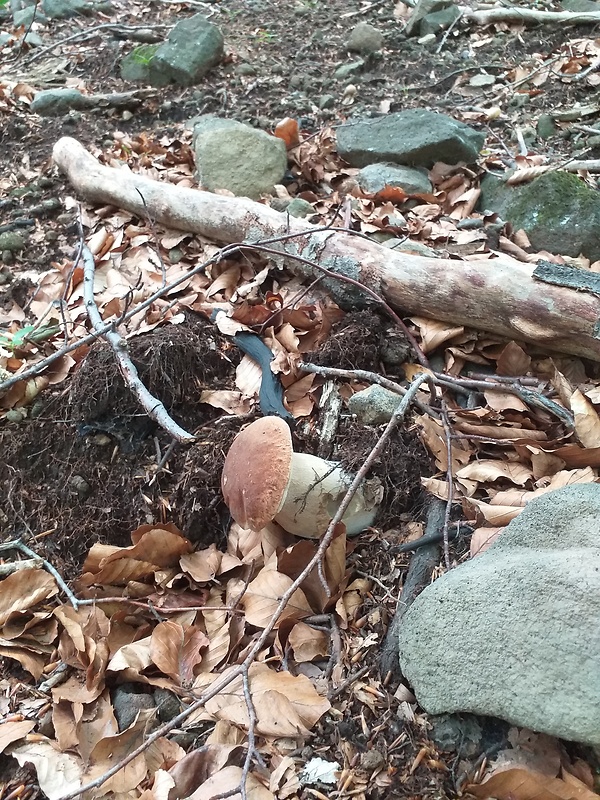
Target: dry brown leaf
248, 377
437, 487
58, 773
34, 663
587, 422
434, 333
264, 593
513, 361
227, 780
493, 470
503, 401
285, 705
112, 749
525, 784
13, 731
158, 545
197, 766
202, 565
482, 538
227, 400
176, 650
435, 439
24, 589
496, 515
307, 643
287, 130
135, 656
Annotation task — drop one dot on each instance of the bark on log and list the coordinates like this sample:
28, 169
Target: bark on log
530, 16
497, 295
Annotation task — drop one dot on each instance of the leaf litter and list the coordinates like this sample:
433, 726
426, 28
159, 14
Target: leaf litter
181, 606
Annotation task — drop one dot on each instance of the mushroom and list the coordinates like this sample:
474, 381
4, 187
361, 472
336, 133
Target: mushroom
264, 480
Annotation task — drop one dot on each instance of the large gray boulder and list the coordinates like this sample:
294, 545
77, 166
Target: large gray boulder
515, 633
237, 157
194, 46
416, 137
557, 211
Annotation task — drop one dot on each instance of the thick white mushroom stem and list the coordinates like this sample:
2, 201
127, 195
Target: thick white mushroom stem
314, 492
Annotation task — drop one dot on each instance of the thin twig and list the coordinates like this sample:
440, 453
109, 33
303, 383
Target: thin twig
348, 682
151, 405
449, 483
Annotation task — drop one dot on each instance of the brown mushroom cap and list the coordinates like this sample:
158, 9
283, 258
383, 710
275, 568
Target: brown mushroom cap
256, 472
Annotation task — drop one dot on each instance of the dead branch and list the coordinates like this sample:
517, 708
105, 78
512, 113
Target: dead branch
498, 295
151, 405
530, 16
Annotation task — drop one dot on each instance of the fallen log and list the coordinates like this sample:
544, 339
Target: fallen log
498, 295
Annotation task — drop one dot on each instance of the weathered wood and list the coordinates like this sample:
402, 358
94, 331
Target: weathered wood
498, 295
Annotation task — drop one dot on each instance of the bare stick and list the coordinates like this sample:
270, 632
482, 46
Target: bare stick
530, 15
151, 405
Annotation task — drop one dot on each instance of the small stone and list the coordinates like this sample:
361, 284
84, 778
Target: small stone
546, 127
11, 241
347, 70
15, 415
375, 178
300, 208
395, 350
374, 405
245, 69
365, 38
482, 79
372, 760
326, 101
128, 699
167, 703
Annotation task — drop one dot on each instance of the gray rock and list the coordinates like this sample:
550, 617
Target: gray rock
374, 405
439, 21
127, 700
375, 177
65, 9
364, 38
580, 5
422, 9
416, 137
139, 67
326, 101
11, 241
25, 17
167, 703
236, 157
547, 127
245, 69
454, 733
346, 70
515, 633
194, 46
54, 102
300, 208
558, 211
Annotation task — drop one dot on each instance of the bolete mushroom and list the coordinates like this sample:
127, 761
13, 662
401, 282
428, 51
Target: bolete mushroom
264, 480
